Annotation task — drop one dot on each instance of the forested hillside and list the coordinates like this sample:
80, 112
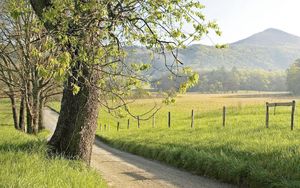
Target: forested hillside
269, 50
222, 80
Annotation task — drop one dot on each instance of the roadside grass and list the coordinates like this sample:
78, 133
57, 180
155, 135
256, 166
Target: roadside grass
244, 152
24, 162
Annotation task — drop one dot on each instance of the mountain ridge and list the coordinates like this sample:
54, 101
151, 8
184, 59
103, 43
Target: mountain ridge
270, 36
271, 50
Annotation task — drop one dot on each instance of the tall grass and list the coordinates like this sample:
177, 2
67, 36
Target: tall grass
24, 162
244, 152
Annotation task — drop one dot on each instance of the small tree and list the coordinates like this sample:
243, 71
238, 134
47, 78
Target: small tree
25, 53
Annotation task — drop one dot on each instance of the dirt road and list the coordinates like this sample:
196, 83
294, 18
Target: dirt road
124, 170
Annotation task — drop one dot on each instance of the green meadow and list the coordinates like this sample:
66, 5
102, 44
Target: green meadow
244, 152
24, 161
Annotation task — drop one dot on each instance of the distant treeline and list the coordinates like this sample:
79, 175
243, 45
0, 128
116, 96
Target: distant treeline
293, 78
222, 80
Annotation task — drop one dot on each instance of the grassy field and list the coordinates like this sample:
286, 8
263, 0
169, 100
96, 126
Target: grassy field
243, 153
24, 163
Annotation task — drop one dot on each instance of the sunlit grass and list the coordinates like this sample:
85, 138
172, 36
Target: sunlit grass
244, 152
24, 162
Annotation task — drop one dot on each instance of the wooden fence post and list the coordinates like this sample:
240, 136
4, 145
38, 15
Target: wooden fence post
224, 116
192, 117
128, 123
169, 119
293, 115
267, 115
153, 121
138, 119
118, 126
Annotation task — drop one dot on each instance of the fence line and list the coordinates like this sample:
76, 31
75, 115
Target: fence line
224, 114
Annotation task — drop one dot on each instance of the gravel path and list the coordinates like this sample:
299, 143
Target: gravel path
124, 170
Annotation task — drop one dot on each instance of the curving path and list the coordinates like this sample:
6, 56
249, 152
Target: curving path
124, 170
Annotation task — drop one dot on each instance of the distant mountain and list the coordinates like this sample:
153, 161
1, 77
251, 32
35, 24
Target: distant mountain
271, 49
271, 37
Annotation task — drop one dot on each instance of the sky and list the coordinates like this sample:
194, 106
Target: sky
239, 19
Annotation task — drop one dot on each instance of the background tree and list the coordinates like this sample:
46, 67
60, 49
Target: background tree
25, 53
10, 86
222, 80
293, 77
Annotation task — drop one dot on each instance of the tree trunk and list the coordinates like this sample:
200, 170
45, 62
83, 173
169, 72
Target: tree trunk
41, 118
29, 104
35, 111
22, 115
14, 110
32, 113
28, 121
75, 132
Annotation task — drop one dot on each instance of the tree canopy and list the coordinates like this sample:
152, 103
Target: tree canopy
82, 43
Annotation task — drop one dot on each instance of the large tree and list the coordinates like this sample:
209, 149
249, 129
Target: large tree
95, 34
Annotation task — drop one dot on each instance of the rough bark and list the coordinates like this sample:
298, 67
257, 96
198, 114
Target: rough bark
14, 110
77, 123
39, 6
29, 104
32, 98
41, 119
33, 116
22, 115
28, 121
35, 110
